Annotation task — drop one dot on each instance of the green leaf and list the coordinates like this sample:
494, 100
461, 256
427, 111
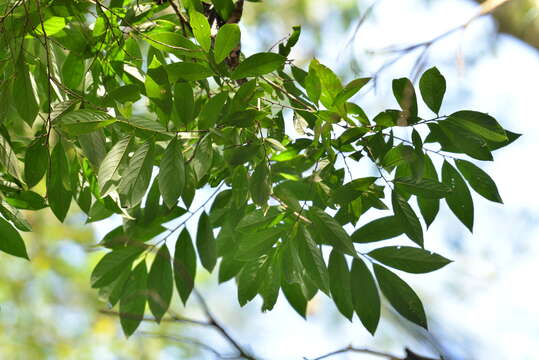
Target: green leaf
404, 92
133, 300
23, 94
365, 295
460, 200
36, 161
203, 157
409, 259
480, 124
73, 70
330, 83
432, 88
249, 279
350, 90
313, 86
111, 265
429, 207
206, 247
174, 43
184, 102
109, 169
240, 187
211, 111
479, 180
160, 283
380, 229
52, 26
8, 158
328, 229
187, 71
271, 281
227, 39
84, 121
295, 297
408, 219
339, 280
58, 194
201, 29
463, 140
172, 174
185, 265
15, 216
260, 184
257, 65
311, 258
224, 8
136, 177
401, 296
255, 244
11, 241
426, 188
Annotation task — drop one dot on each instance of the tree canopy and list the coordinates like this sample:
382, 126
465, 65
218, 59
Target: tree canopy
135, 107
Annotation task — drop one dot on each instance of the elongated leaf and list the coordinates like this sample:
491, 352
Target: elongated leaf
330, 84
295, 298
271, 281
109, 169
260, 184
133, 301
8, 159
84, 121
460, 200
426, 188
249, 279
331, 231
206, 247
365, 295
255, 244
24, 98
311, 258
73, 70
36, 162
383, 228
240, 186
187, 71
464, 141
408, 219
203, 157
480, 124
339, 280
404, 92
15, 216
401, 296
11, 241
160, 283
313, 86
409, 259
227, 39
58, 194
350, 90
111, 265
258, 64
136, 177
184, 102
185, 265
479, 180
174, 43
211, 111
172, 174
201, 29
432, 87
429, 207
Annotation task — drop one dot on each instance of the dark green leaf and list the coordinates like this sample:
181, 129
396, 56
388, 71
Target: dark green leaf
160, 283
330, 83
350, 90
185, 265
227, 39
408, 219
260, 184
73, 70
331, 231
133, 300
480, 124
184, 102
23, 95
409, 259
429, 207
206, 247
258, 64
58, 194
380, 229
271, 282
365, 295
203, 157
110, 265
172, 174
257, 243
432, 87
36, 162
295, 297
401, 296
249, 279
404, 92
311, 258
84, 121
426, 188
136, 178
460, 200
11, 241
339, 280
187, 71
479, 180
211, 111
8, 158
109, 168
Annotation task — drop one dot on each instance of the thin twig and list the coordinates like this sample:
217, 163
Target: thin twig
350, 348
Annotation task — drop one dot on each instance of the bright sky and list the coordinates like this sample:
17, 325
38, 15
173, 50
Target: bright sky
485, 302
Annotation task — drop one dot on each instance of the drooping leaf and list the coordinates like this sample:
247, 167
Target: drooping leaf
329, 82
24, 98
133, 300
260, 184
350, 90
311, 258
365, 295
425, 187
249, 279
36, 162
201, 29
480, 124
160, 283
227, 39
429, 207
271, 282
382, 228
110, 265
202, 158
172, 174
136, 178
187, 71
11, 241
460, 200
404, 92
409, 259
8, 159
432, 87
211, 111
58, 194
16, 217
408, 219
184, 101
479, 180
339, 280
295, 298
185, 265
109, 169
257, 65
84, 121
401, 296
73, 70
206, 246
330, 231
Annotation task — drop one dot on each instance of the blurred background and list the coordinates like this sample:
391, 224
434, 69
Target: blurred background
482, 306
